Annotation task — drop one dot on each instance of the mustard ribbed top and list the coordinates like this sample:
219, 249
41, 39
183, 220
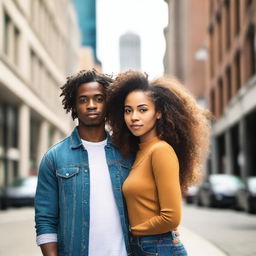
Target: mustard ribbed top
152, 189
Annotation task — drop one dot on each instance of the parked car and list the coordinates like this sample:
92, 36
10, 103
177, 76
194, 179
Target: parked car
190, 195
246, 196
21, 192
219, 190
2, 199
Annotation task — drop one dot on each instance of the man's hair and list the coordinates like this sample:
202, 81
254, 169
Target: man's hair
69, 89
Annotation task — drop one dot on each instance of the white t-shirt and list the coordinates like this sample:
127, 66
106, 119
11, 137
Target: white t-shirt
105, 236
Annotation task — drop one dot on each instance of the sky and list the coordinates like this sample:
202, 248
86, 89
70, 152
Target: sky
147, 18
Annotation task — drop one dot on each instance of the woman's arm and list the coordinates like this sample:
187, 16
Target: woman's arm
165, 167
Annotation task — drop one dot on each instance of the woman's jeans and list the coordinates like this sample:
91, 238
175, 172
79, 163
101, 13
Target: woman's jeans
167, 244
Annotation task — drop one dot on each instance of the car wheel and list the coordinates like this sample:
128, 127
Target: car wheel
198, 200
250, 208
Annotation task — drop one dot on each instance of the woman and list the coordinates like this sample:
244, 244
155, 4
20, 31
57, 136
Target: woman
168, 131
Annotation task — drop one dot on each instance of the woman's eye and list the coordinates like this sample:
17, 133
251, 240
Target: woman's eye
127, 111
143, 110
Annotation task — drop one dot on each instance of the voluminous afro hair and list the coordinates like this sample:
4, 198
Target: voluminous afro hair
69, 89
183, 124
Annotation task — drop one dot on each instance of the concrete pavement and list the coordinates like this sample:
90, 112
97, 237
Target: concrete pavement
18, 225
197, 245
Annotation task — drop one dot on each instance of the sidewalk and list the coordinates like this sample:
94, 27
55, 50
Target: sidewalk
197, 245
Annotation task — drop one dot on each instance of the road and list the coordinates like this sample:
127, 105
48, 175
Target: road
233, 232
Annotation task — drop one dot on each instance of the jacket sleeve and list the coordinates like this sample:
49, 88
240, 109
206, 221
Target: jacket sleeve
46, 199
165, 167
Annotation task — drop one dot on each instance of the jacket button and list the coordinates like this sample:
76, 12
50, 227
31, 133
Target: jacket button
67, 174
85, 171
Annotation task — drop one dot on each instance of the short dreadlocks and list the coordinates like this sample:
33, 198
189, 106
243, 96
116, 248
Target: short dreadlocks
69, 89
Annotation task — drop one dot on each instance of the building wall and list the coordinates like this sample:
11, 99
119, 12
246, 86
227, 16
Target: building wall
225, 75
186, 54
174, 33
36, 55
231, 88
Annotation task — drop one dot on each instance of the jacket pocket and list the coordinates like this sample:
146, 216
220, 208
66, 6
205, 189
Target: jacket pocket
67, 173
67, 178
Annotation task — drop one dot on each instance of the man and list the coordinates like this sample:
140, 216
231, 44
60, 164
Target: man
79, 204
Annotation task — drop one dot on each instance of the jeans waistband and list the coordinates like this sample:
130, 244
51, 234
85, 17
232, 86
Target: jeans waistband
154, 237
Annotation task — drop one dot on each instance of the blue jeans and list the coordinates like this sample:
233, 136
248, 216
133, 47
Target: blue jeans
158, 245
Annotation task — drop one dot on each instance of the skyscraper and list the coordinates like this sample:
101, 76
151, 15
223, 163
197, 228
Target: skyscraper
130, 51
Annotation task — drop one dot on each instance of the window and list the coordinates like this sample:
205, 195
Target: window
7, 26
237, 15
228, 34
228, 80
238, 70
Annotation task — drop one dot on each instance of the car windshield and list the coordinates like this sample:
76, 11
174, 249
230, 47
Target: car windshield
225, 179
252, 183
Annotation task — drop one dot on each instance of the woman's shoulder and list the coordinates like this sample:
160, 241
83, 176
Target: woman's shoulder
162, 146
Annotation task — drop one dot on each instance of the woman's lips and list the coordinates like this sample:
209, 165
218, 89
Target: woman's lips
135, 127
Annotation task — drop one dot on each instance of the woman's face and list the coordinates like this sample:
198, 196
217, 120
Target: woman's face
140, 115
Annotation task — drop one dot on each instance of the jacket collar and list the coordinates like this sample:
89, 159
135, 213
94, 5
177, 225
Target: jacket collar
76, 141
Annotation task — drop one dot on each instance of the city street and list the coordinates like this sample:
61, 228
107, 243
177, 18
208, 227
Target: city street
231, 231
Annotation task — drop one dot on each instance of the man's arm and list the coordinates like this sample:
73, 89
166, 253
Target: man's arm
46, 207
49, 249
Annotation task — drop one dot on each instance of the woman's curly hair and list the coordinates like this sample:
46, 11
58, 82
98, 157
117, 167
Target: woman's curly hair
69, 89
183, 124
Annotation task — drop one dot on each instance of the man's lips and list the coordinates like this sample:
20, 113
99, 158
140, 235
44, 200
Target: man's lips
93, 115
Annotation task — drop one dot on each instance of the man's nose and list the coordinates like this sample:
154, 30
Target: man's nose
91, 105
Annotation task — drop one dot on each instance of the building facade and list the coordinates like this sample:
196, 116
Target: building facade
231, 90
186, 54
219, 56
36, 55
86, 13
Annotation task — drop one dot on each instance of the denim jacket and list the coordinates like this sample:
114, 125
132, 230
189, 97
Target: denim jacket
62, 196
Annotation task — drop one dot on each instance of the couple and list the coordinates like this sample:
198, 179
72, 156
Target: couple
91, 184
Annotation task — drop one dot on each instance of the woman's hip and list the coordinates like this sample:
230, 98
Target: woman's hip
167, 244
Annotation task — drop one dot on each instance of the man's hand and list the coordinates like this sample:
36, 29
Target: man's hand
49, 249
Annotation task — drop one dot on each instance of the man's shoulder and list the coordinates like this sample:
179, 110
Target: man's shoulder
59, 146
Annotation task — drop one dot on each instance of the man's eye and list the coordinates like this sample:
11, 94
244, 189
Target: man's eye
82, 100
99, 99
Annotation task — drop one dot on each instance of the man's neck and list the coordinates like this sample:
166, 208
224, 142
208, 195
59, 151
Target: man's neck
92, 134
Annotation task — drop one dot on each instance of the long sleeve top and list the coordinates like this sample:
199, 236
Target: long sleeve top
152, 190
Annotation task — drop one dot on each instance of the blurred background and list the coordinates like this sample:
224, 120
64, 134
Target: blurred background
210, 45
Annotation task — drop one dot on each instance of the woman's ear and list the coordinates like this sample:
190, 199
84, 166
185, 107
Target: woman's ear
158, 115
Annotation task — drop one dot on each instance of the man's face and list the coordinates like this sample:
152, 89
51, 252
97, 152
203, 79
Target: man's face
91, 104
